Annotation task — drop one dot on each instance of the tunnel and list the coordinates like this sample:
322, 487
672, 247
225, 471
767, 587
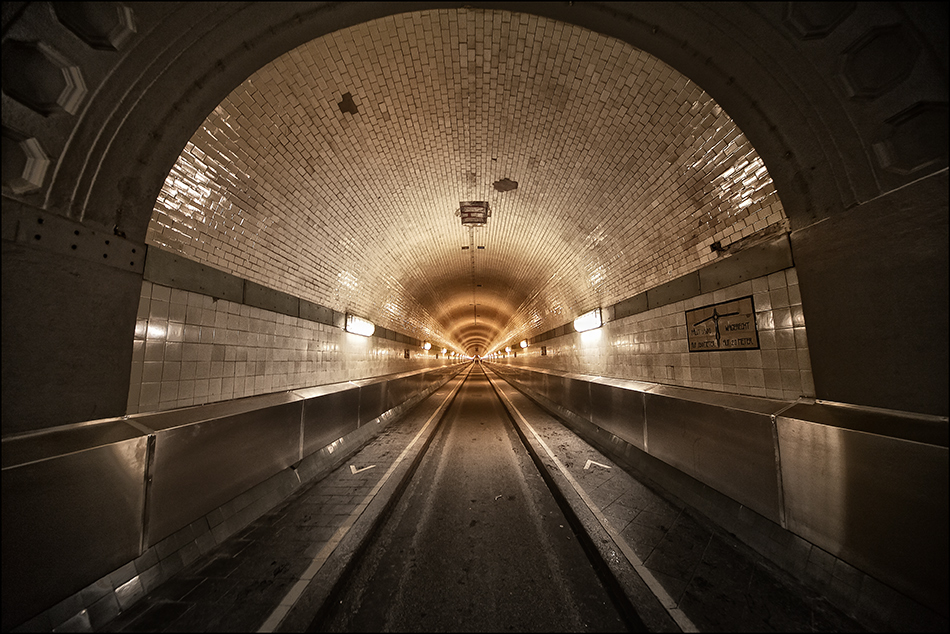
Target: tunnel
241, 238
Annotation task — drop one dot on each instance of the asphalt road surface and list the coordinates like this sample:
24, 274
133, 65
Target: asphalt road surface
477, 543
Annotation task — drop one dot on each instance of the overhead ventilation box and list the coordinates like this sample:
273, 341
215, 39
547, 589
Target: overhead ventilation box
474, 212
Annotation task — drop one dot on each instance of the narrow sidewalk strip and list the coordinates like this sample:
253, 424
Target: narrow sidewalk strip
296, 591
678, 616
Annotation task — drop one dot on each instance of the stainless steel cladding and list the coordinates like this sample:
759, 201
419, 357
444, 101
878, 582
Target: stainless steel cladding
877, 500
398, 390
869, 486
372, 400
725, 442
89, 498
577, 396
200, 466
75, 514
619, 410
329, 413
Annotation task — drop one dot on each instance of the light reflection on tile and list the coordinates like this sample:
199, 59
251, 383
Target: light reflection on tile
234, 361
219, 205
779, 369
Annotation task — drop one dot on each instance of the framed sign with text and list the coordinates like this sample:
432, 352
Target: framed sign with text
724, 326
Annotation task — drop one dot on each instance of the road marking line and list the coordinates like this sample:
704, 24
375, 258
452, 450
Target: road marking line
590, 462
658, 590
354, 470
296, 591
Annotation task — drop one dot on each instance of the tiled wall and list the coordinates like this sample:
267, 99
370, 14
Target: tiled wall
191, 349
652, 346
627, 172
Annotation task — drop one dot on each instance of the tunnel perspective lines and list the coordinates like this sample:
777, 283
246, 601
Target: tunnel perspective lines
356, 210
477, 541
297, 590
668, 603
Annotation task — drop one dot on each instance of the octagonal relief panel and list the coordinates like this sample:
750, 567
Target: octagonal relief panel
102, 25
917, 139
815, 20
24, 163
879, 61
41, 78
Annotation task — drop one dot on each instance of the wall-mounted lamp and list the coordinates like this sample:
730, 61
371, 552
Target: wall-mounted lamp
524, 343
588, 321
359, 326
444, 350
427, 346
507, 348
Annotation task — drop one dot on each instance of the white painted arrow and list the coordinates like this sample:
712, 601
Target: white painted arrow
354, 470
590, 462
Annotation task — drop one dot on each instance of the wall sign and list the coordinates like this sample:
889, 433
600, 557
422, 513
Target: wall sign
724, 326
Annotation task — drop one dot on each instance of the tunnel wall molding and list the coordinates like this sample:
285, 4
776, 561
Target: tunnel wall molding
811, 485
767, 254
107, 510
176, 271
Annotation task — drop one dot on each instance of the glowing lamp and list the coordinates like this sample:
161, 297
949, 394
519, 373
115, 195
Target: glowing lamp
427, 346
588, 321
524, 343
359, 326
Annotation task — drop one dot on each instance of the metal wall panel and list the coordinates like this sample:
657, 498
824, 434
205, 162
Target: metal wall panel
618, 411
578, 397
328, 417
400, 389
869, 486
548, 385
731, 450
201, 466
675, 290
372, 401
558, 390
261, 296
78, 493
876, 501
170, 269
59, 441
532, 381
213, 411
72, 519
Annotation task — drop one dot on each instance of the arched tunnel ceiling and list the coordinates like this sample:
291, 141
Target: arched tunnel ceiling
335, 173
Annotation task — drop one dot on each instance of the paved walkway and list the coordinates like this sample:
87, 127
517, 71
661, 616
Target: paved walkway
682, 572
274, 575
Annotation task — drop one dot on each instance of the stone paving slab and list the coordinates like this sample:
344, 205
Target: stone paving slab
237, 586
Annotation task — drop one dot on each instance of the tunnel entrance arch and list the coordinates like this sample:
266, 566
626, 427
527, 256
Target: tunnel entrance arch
857, 164
846, 107
286, 186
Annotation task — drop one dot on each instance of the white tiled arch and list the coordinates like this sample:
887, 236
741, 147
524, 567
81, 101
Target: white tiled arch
627, 172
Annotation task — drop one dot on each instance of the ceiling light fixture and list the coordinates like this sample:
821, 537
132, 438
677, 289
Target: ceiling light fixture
359, 326
474, 212
588, 321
